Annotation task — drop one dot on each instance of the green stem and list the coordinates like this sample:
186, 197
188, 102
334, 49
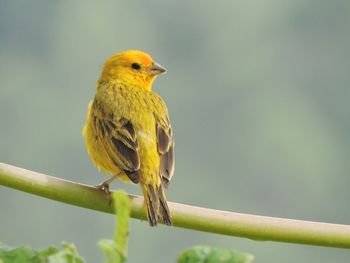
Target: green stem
202, 219
122, 206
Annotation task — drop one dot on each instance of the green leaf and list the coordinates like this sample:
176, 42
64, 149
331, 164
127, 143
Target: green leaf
69, 254
116, 250
113, 253
27, 254
205, 254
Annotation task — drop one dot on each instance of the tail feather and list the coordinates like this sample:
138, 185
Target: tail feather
157, 207
164, 209
152, 205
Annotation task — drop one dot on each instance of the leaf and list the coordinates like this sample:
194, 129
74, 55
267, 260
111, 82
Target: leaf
116, 250
113, 253
69, 254
27, 254
205, 254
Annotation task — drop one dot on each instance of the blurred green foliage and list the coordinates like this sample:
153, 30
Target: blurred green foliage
25, 254
205, 254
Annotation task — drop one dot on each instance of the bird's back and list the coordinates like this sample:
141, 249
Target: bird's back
128, 133
116, 101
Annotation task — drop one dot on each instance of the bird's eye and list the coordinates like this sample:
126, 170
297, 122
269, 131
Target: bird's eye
136, 66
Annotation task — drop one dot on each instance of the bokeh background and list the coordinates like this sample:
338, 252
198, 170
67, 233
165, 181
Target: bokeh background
258, 93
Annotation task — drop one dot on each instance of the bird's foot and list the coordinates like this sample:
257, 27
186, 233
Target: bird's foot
104, 186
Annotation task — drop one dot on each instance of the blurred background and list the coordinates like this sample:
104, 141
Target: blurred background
258, 93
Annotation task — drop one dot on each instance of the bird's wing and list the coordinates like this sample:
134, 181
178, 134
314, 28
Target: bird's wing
165, 144
119, 140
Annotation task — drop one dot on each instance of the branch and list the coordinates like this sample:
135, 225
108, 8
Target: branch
260, 228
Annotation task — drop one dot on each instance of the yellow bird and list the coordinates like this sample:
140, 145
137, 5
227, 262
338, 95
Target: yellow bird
127, 130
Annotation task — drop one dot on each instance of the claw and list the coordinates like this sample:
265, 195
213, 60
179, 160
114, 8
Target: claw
105, 188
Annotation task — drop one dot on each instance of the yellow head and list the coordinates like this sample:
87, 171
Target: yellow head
133, 67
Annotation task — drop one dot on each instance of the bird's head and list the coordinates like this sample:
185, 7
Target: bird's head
132, 67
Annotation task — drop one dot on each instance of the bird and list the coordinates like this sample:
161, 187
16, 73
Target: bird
128, 133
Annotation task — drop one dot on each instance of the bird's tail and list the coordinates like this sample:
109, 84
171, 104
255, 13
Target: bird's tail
157, 207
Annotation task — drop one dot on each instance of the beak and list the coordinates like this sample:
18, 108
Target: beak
157, 69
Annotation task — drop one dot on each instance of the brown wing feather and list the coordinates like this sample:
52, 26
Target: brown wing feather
165, 143
120, 142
